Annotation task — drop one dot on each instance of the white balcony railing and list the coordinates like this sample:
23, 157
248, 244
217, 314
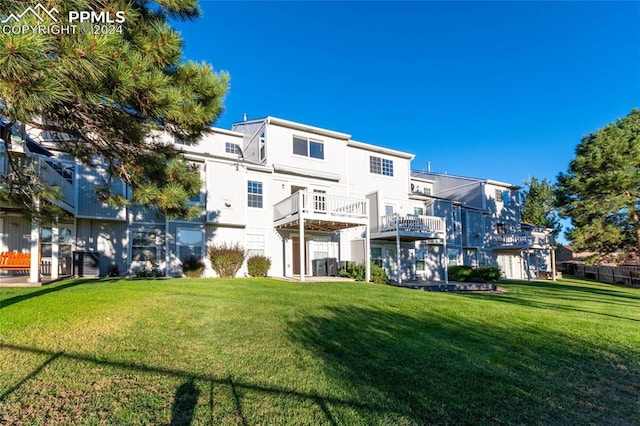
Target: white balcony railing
307, 203
519, 239
59, 178
412, 223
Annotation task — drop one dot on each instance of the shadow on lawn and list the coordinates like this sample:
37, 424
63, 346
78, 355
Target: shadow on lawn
439, 369
391, 367
185, 399
49, 288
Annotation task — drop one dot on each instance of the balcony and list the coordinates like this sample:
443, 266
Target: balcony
320, 211
410, 227
55, 174
519, 240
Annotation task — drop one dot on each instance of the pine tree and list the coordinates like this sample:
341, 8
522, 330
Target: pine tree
104, 96
601, 190
539, 205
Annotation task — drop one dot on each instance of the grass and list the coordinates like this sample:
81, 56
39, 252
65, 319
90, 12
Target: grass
260, 351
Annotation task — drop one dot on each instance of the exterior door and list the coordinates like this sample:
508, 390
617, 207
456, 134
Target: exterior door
296, 255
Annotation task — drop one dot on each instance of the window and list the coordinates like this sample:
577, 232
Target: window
452, 256
420, 265
501, 228
381, 166
503, 196
418, 211
189, 243
388, 209
254, 194
144, 246
308, 147
319, 201
232, 148
255, 245
506, 197
376, 255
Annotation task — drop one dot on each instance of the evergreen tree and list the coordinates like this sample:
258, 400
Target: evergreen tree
601, 190
105, 95
539, 205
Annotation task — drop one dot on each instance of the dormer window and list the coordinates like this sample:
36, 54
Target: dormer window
308, 147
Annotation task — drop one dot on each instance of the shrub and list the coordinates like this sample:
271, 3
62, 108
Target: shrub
258, 265
378, 274
464, 273
354, 270
226, 259
192, 267
114, 270
488, 273
357, 271
460, 273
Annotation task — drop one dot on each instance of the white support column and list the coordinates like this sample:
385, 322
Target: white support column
528, 262
367, 252
446, 260
553, 263
398, 257
34, 267
2, 245
301, 239
55, 251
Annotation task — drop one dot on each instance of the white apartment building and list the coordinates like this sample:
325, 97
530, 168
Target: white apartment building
293, 192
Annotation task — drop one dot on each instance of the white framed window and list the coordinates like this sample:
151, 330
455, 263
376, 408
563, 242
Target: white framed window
389, 208
232, 148
376, 255
254, 194
418, 211
308, 147
380, 166
255, 245
189, 243
144, 246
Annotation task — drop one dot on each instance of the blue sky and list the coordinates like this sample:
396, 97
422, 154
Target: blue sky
500, 90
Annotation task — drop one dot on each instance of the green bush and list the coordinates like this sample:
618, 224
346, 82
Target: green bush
378, 274
488, 273
258, 265
226, 259
460, 273
357, 271
354, 270
464, 273
192, 267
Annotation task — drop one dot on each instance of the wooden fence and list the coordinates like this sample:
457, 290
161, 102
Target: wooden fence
624, 275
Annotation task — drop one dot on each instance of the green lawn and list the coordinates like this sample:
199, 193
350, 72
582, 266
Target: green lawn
268, 352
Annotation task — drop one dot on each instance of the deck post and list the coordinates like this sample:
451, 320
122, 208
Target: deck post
528, 261
301, 236
55, 250
34, 266
367, 253
398, 250
445, 264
